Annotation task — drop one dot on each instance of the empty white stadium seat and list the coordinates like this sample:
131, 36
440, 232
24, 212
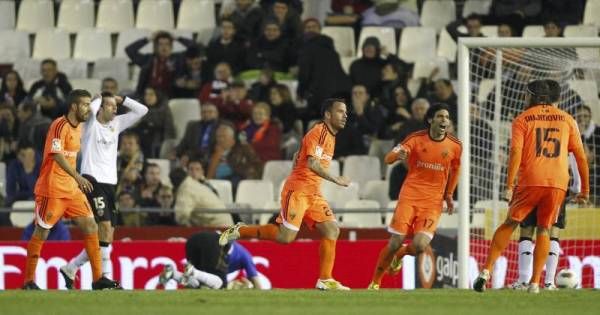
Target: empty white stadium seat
481, 7
423, 69
346, 62
91, 85
362, 220
35, 15
438, 13
29, 69
73, 68
343, 39
270, 205
446, 46
386, 36
92, 44
115, 15
361, 169
129, 36
417, 43
155, 15
377, 190
22, 219
388, 215
116, 68
53, 44
414, 85
184, 110
258, 194
584, 31
534, 31
75, 15
489, 30
336, 195
177, 46
591, 13
196, 15
7, 15
334, 168
224, 190
165, 169
276, 172
15, 45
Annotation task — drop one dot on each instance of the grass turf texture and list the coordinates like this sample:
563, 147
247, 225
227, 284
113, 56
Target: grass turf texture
303, 302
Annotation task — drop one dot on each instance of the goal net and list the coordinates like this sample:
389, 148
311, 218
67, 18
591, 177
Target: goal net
497, 72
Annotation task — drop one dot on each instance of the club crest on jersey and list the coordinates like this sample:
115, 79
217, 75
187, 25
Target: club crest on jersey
445, 153
56, 146
318, 152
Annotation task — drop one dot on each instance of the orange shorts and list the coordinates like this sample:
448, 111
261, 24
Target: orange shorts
298, 208
49, 210
410, 219
547, 200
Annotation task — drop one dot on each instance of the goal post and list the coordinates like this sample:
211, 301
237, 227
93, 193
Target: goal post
512, 61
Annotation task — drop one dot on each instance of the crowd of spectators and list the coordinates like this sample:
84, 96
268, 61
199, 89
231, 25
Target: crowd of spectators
248, 116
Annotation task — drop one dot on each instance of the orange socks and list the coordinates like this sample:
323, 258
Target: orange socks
383, 263
262, 232
92, 248
542, 247
326, 258
499, 243
34, 248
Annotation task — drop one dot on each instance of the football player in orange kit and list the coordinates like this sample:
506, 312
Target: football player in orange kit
433, 158
542, 137
59, 191
301, 199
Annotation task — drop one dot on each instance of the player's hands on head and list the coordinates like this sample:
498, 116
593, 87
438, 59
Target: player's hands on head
119, 99
84, 184
449, 204
342, 181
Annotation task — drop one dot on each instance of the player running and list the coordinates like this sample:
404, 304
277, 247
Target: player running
301, 199
542, 137
99, 167
208, 263
433, 158
59, 191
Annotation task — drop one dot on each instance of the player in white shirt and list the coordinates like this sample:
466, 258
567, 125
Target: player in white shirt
99, 147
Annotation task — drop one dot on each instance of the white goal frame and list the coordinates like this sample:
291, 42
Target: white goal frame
464, 95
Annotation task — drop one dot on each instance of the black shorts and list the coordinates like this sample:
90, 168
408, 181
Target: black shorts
102, 200
202, 250
531, 219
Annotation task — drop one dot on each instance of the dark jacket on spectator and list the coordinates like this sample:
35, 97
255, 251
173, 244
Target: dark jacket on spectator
19, 183
367, 72
321, 74
59, 90
285, 114
248, 24
197, 137
276, 54
34, 130
155, 127
147, 63
233, 53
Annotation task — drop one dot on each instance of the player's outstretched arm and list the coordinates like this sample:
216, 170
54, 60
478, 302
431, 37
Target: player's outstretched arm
315, 166
83, 183
137, 111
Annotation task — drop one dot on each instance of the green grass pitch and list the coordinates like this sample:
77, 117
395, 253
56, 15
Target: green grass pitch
305, 302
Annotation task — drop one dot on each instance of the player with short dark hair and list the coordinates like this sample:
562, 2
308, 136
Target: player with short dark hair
99, 166
301, 198
433, 157
542, 137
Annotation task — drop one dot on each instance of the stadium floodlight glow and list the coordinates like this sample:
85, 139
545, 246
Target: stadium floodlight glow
504, 66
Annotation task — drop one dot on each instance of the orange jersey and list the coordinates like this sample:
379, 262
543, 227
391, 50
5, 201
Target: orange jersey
319, 142
543, 135
54, 182
430, 163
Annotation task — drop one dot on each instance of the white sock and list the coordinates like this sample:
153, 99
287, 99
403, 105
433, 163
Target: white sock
79, 260
210, 280
552, 261
106, 266
193, 283
525, 261
177, 276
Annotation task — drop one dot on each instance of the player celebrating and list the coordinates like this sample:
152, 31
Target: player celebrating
99, 166
301, 199
209, 263
433, 158
58, 191
542, 137
527, 227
